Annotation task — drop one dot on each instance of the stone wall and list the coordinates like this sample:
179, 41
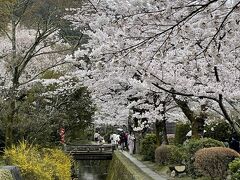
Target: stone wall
10, 173
121, 168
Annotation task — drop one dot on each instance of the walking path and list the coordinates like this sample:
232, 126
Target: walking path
143, 167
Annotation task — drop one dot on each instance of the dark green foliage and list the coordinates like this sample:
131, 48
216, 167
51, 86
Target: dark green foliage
169, 155
171, 140
219, 130
40, 118
40, 115
181, 131
193, 145
148, 146
234, 167
2, 141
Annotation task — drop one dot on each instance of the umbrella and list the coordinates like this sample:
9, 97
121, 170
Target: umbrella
119, 129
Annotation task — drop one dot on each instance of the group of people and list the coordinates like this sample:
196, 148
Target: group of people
122, 140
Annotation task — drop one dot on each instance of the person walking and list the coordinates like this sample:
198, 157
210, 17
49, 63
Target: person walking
101, 140
234, 143
126, 140
114, 140
96, 137
131, 140
122, 140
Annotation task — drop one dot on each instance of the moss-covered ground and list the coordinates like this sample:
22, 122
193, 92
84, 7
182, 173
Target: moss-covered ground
121, 168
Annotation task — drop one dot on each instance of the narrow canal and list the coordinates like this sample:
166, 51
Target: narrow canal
91, 169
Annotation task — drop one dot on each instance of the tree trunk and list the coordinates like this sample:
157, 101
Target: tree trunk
234, 124
157, 131
161, 132
194, 129
197, 122
183, 105
8, 134
164, 132
11, 119
9, 124
137, 142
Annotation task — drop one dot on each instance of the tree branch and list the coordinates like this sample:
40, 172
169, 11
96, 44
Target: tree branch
42, 72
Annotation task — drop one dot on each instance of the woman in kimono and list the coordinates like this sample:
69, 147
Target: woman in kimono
131, 139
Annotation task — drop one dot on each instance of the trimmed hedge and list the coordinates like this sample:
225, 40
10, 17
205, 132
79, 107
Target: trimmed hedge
169, 155
148, 146
213, 162
193, 145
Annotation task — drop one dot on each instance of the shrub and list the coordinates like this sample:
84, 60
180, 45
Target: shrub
181, 131
169, 154
148, 146
193, 145
219, 130
171, 140
213, 162
39, 163
234, 167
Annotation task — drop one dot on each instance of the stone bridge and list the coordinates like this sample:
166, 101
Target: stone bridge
90, 151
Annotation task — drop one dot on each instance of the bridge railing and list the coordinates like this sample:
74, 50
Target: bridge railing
89, 148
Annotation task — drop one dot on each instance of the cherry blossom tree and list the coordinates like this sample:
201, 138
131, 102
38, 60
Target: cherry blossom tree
119, 98
188, 49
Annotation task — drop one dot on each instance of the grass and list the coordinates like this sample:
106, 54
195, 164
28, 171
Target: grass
2, 162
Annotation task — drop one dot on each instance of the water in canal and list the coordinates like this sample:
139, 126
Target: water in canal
91, 169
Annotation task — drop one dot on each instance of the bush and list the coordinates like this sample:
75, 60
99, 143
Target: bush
234, 167
193, 145
219, 130
171, 140
148, 146
213, 162
169, 154
37, 164
181, 131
